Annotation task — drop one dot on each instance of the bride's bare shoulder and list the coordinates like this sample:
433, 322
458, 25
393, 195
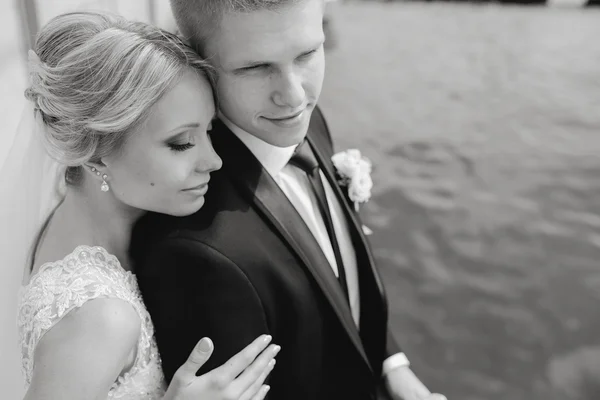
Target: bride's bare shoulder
58, 240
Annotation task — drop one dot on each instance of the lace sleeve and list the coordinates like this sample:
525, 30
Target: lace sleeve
60, 287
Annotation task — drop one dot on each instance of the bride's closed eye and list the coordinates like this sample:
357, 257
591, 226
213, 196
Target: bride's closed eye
181, 147
184, 139
182, 142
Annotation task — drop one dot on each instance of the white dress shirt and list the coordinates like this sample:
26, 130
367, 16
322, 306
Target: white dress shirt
295, 185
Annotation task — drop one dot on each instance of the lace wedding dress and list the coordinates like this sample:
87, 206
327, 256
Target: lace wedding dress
62, 286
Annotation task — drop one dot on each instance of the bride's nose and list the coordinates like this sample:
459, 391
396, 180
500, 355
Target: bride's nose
208, 159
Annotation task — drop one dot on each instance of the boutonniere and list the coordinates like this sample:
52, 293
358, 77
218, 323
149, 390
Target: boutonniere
354, 172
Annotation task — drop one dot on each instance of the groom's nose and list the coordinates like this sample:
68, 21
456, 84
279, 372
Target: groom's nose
289, 91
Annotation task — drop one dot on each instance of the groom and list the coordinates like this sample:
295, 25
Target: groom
277, 247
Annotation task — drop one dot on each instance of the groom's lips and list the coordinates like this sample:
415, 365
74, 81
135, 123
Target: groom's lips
288, 120
294, 115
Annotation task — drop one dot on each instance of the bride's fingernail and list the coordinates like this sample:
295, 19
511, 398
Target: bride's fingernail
266, 388
205, 345
272, 363
276, 349
267, 338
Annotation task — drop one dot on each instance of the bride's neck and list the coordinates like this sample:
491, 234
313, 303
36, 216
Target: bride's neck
101, 219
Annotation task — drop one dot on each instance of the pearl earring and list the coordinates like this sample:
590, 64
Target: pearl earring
104, 186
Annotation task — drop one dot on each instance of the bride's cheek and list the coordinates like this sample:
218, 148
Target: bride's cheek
176, 178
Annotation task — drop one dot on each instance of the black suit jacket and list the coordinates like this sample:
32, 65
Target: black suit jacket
246, 264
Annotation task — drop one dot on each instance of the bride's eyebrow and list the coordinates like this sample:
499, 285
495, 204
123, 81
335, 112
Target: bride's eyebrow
192, 125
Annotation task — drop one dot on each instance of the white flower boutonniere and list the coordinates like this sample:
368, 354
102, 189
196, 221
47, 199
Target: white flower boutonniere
354, 171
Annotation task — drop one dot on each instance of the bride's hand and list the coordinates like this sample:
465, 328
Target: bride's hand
240, 378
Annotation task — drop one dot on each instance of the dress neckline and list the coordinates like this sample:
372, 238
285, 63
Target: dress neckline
95, 254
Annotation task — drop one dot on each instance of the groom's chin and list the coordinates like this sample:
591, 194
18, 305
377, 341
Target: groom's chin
287, 137
283, 134
290, 140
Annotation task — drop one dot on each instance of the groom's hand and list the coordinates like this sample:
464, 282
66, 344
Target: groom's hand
403, 384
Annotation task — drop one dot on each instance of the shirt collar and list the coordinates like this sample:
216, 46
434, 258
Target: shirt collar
272, 158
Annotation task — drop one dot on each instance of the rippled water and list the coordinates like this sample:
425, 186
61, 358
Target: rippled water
483, 123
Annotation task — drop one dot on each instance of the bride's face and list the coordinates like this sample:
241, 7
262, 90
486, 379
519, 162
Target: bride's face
165, 165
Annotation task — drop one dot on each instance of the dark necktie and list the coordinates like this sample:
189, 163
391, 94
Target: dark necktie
305, 159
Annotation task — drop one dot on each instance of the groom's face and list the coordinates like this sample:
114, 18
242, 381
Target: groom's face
271, 67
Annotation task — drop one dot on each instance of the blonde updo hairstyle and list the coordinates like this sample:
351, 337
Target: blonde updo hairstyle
96, 77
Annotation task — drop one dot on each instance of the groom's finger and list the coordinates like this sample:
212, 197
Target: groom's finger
238, 363
197, 358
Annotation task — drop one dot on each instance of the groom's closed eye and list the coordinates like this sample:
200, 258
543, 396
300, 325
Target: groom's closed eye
254, 67
307, 55
260, 66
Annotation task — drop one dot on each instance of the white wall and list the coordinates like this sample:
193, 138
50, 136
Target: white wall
13, 75
13, 78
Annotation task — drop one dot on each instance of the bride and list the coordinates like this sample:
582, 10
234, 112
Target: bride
124, 110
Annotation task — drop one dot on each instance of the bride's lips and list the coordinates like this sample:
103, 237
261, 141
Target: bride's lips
288, 121
198, 190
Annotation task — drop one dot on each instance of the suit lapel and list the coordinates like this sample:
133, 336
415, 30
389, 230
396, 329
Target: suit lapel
355, 225
373, 309
258, 186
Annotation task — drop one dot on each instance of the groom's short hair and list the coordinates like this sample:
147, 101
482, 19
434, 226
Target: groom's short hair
198, 19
